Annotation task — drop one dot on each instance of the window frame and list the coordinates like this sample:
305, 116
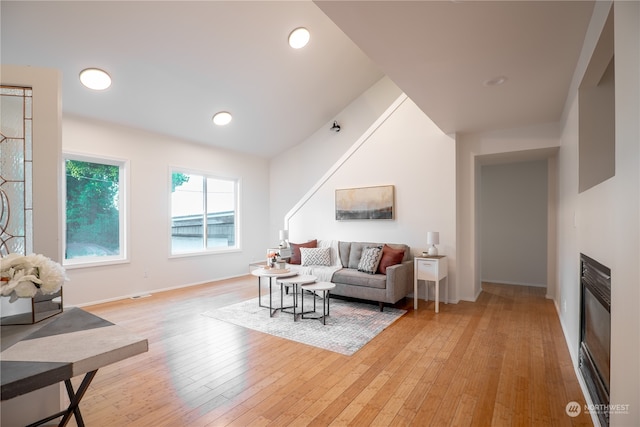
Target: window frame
206, 250
123, 211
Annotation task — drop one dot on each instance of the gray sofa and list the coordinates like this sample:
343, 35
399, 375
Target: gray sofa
388, 288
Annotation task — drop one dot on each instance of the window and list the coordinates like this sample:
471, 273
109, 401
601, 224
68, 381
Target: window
94, 210
204, 212
16, 166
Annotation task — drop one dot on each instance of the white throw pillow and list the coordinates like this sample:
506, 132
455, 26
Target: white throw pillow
315, 256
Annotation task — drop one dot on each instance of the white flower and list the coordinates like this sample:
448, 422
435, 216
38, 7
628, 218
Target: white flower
24, 289
24, 276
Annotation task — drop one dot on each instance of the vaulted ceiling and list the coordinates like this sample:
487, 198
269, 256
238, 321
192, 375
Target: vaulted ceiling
175, 63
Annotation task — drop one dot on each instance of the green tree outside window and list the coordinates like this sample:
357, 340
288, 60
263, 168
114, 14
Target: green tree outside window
92, 209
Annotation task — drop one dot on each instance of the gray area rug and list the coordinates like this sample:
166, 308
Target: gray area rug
349, 327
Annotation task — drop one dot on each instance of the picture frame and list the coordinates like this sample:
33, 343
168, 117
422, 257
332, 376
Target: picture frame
365, 203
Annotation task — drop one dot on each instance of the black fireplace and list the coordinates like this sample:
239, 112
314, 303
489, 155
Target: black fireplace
595, 332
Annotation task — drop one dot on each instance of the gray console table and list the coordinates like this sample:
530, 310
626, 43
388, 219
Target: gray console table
57, 349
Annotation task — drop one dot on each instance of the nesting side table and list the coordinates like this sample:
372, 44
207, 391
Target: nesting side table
325, 288
271, 274
294, 282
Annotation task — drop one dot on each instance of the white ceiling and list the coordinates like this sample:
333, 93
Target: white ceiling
441, 52
175, 63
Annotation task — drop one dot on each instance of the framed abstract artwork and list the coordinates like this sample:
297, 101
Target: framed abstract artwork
365, 203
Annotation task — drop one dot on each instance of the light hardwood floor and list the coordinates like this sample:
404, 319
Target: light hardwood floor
501, 361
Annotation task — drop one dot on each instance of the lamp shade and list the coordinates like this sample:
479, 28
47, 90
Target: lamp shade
433, 237
284, 234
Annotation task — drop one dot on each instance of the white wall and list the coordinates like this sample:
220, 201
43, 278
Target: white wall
46, 84
151, 156
408, 151
509, 145
513, 242
296, 170
603, 222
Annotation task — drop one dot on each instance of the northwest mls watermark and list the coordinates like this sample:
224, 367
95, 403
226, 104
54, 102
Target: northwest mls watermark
573, 409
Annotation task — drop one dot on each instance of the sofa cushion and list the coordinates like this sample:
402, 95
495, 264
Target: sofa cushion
355, 253
296, 258
370, 259
315, 256
390, 256
350, 276
344, 248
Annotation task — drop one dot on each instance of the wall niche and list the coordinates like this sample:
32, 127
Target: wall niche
596, 104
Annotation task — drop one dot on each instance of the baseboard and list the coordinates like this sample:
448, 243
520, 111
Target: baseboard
150, 292
502, 282
576, 368
442, 300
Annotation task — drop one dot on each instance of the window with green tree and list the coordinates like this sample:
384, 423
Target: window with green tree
203, 213
94, 213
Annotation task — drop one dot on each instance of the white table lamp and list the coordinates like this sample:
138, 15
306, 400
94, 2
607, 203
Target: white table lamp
433, 238
284, 238
285, 251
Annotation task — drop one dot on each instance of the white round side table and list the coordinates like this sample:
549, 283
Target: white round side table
293, 282
270, 273
325, 288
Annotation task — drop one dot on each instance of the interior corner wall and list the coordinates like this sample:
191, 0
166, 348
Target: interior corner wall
150, 267
47, 111
408, 151
513, 229
294, 171
625, 321
603, 221
47, 148
470, 148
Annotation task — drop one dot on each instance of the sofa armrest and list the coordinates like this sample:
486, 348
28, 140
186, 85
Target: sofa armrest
400, 280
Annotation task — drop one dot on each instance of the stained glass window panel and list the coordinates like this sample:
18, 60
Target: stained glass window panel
16, 216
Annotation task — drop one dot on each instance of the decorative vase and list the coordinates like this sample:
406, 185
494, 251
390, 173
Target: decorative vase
27, 311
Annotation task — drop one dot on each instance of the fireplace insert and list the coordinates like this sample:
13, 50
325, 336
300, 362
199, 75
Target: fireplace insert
595, 332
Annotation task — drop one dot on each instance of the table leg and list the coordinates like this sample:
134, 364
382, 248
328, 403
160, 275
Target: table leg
271, 310
314, 302
328, 302
415, 293
74, 406
281, 295
437, 285
325, 314
295, 301
259, 292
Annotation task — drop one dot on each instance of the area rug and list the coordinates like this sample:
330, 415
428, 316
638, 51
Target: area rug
348, 328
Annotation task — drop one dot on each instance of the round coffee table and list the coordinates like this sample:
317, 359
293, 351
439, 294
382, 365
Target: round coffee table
293, 282
270, 273
325, 288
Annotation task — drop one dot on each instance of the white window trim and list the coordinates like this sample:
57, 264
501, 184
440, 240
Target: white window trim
123, 210
205, 250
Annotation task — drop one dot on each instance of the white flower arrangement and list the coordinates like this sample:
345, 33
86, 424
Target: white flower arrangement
25, 276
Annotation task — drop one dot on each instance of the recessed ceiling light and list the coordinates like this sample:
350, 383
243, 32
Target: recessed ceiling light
496, 81
222, 118
299, 38
95, 79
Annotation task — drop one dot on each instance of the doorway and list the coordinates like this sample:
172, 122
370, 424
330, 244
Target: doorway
513, 210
